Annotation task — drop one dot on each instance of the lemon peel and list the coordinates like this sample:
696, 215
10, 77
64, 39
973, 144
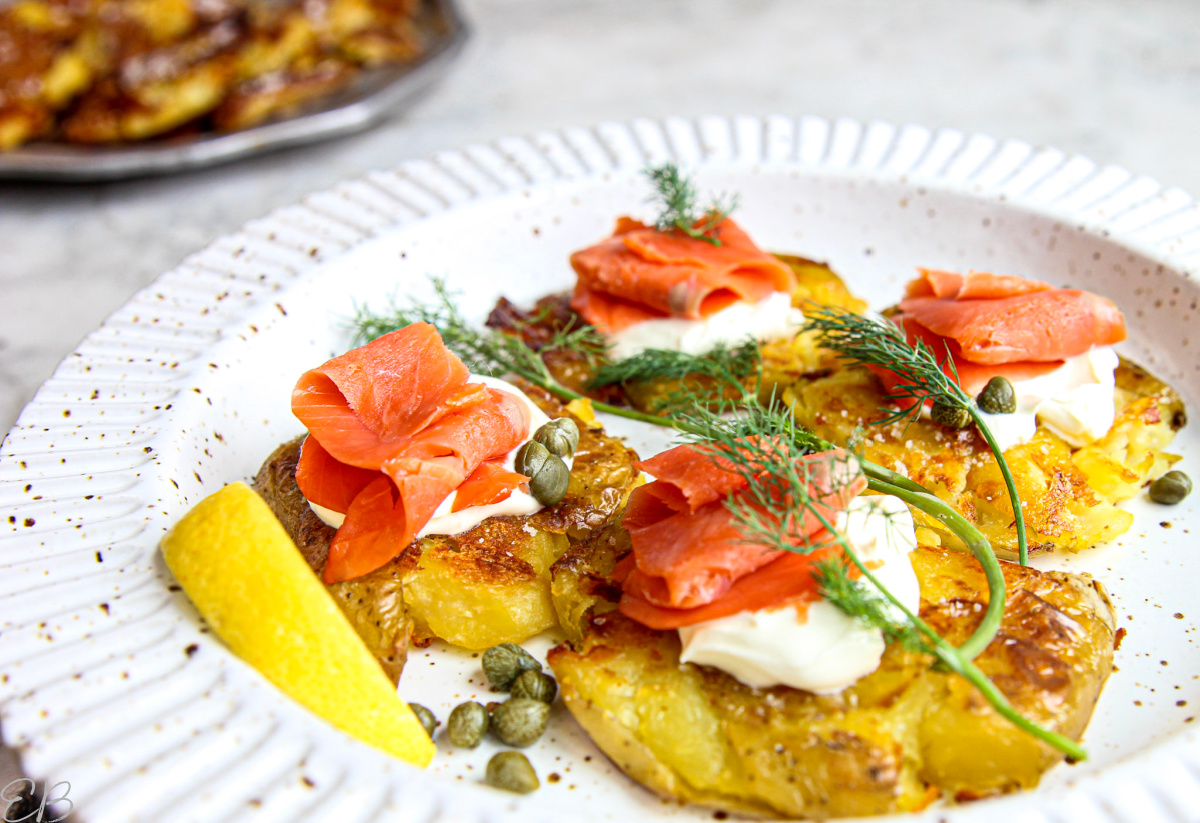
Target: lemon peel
241, 570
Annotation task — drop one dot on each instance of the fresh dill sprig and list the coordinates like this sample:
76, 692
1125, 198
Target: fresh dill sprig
724, 363
681, 210
863, 341
486, 351
920, 377
861, 601
728, 426
684, 380
764, 445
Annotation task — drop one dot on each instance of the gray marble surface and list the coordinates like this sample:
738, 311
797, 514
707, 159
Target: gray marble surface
1113, 79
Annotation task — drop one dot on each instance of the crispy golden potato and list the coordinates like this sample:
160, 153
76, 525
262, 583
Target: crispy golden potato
894, 741
107, 71
488, 585
1069, 494
165, 67
278, 94
44, 63
374, 604
492, 584
580, 585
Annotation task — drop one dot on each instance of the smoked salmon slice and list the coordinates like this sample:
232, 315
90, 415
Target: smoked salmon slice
1037, 326
687, 548
394, 428
992, 325
488, 484
971, 376
785, 579
641, 273
973, 285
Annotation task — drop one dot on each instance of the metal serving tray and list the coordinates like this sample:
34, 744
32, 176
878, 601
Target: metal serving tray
373, 96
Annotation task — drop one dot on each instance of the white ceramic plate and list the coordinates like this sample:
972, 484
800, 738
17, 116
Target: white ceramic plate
108, 680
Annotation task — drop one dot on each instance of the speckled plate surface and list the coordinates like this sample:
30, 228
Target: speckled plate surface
108, 680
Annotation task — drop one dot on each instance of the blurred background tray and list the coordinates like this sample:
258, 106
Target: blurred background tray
374, 95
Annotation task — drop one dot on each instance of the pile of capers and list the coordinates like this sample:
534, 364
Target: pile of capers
997, 397
543, 460
519, 721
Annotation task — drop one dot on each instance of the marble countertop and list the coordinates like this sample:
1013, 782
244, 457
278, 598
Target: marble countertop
1110, 79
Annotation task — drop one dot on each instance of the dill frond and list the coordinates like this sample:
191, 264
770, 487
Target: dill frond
921, 378
764, 445
728, 364
688, 380
865, 341
863, 602
681, 210
484, 351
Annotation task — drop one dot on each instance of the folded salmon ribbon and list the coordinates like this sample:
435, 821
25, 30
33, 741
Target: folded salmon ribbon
1001, 325
641, 273
691, 562
395, 428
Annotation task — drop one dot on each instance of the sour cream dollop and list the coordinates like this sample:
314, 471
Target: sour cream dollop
818, 648
770, 318
445, 521
1075, 401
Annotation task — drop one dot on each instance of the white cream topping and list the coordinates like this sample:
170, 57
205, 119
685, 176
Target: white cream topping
328, 516
445, 521
819, 649
1075, 401
770, 318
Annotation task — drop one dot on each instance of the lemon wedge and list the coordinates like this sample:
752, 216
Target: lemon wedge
241, 570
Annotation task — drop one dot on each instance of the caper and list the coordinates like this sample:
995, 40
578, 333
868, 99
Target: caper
467, 725
531, 457
536, 685
502, 664
512, 772
951, 416
1171, 488
560, 436
997, 397
520, 721
428, 721
549, 485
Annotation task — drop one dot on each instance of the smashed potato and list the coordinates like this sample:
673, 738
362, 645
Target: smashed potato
111, 71
894, 741
488, 585
1070, 495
